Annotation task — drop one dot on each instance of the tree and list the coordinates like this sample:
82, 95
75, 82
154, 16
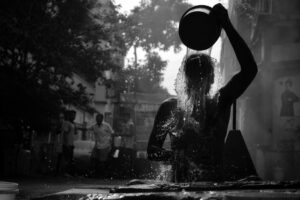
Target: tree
146, 78
154, 24
42, 43
103, 39
151, 25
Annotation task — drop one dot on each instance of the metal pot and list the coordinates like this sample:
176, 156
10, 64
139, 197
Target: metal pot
199, 28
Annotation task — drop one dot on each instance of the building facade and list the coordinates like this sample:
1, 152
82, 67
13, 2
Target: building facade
269, 111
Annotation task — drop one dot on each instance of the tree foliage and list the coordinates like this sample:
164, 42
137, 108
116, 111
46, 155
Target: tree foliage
154, 24
42, 43
146, 78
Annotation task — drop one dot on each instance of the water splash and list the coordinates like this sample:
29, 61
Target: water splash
193, 104
181, 88
164, 173
218, 81
185, 102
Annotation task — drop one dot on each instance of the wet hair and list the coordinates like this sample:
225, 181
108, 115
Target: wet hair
197, 68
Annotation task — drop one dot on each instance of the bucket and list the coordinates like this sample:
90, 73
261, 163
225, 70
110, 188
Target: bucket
199, 28
8, 190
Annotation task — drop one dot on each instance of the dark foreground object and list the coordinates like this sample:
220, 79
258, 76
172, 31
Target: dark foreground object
148, 190
237, 161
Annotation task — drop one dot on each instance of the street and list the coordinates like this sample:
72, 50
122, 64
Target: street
36, 187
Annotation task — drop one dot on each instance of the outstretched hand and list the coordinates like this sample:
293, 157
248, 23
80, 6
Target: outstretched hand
221, 14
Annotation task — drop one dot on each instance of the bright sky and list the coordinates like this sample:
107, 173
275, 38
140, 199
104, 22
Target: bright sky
174, 60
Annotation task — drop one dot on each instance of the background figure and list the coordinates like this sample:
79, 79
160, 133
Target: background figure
129, 135
129, 151
288, 98
68, 147
103, 145
65, 143
58, 143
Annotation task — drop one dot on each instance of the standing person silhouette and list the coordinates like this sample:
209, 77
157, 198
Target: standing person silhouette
103, 133
197, 120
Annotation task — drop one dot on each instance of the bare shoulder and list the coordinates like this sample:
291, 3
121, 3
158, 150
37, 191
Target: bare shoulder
168, 105
172, 101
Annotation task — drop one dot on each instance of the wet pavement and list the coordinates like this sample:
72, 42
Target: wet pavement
96, 189
79, 188
30, 188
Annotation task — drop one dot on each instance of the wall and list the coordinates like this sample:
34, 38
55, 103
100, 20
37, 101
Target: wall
273, 36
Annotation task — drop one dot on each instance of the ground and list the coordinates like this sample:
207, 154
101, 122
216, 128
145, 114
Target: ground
87, 188
36, 187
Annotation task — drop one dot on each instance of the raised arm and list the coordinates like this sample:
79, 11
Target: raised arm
240, 81
159, 133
